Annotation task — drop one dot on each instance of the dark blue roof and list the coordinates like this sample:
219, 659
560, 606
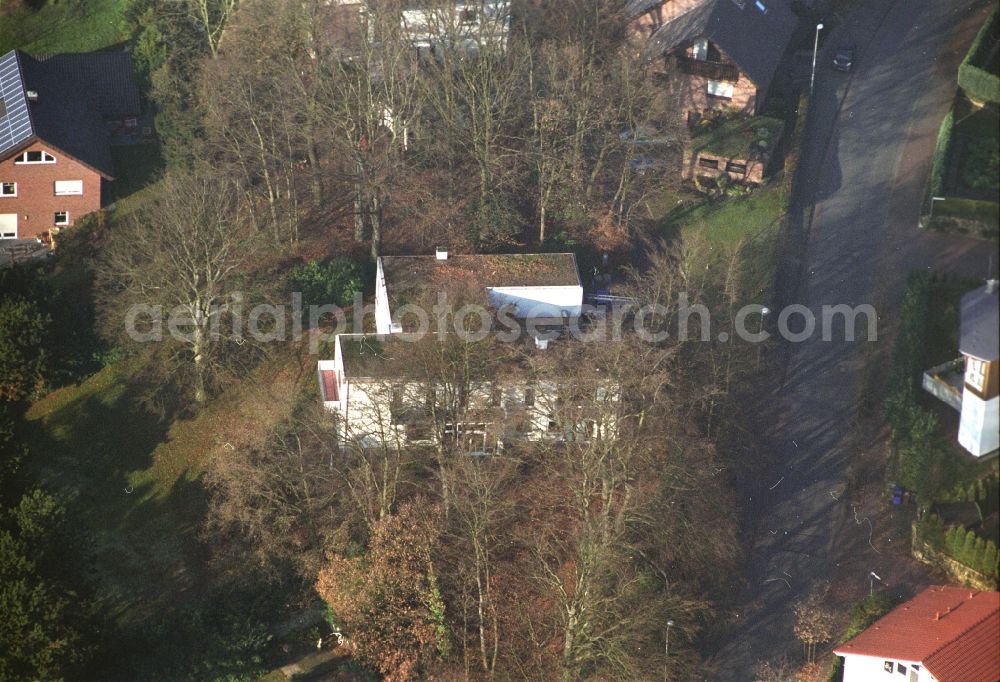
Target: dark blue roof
62, 116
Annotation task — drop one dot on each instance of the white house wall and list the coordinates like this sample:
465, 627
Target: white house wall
366, 415
425, 26
538, 301
871, 669
979, 428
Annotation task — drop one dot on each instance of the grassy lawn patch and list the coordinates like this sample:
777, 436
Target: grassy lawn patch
134, 492
91, 442
133, 480
749, 224
63, 25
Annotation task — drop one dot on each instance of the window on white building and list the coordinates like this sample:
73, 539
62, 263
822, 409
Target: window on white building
720, 89
36, 156
61, 218
68, 187
8, 189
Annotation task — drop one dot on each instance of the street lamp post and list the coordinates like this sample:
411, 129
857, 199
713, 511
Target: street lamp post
812, 79
872, 577
934, 200
666, 651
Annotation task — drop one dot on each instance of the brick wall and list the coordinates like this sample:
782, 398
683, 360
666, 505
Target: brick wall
694, 95
692, 166
36, 202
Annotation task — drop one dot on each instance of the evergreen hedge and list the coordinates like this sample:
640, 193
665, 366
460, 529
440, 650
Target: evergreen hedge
974, 74
942, 151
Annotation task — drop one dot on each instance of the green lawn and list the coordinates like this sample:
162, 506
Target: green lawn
133, 481
750, 223
136, 500
131, 489
62, 25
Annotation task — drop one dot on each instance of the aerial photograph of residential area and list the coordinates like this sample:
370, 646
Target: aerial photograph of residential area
499, 340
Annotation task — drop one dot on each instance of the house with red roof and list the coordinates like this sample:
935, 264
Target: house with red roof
944, 634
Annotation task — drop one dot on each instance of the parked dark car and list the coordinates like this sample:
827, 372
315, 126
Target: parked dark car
843, 60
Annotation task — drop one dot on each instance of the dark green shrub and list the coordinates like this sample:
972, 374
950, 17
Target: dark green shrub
331, 282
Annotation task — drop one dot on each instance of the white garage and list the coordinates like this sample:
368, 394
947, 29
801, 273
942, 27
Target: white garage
8, 226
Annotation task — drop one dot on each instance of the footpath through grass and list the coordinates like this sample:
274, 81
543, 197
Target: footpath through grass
62, 25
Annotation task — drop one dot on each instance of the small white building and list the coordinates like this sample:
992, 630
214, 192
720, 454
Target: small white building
971, 383
543, 287
944, 634
979, 428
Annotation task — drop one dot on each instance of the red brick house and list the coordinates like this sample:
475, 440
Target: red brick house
56, 114
717, 54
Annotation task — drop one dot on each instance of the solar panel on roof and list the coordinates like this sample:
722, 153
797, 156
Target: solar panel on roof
15, 127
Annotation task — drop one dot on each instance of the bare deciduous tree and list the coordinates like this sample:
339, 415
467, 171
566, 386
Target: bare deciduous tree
176, 265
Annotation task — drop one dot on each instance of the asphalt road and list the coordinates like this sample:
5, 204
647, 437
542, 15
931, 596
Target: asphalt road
864, 167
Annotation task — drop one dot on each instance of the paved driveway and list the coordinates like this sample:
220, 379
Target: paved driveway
867, 156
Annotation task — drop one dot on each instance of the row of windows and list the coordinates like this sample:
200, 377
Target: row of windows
61, 188
887, 666
37, 156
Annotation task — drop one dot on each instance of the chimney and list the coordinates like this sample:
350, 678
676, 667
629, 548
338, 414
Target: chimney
32, 95
441, 253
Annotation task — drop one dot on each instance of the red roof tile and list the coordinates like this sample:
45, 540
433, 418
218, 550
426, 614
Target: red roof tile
953, 631
329, 385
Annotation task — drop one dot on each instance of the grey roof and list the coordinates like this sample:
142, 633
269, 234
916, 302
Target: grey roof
755, 40
634, 8
63, 116
408, 278
15, 120
980, 320
107, 77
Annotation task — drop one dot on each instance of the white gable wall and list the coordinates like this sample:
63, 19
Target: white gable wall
871, 669
383, 316
979, 428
